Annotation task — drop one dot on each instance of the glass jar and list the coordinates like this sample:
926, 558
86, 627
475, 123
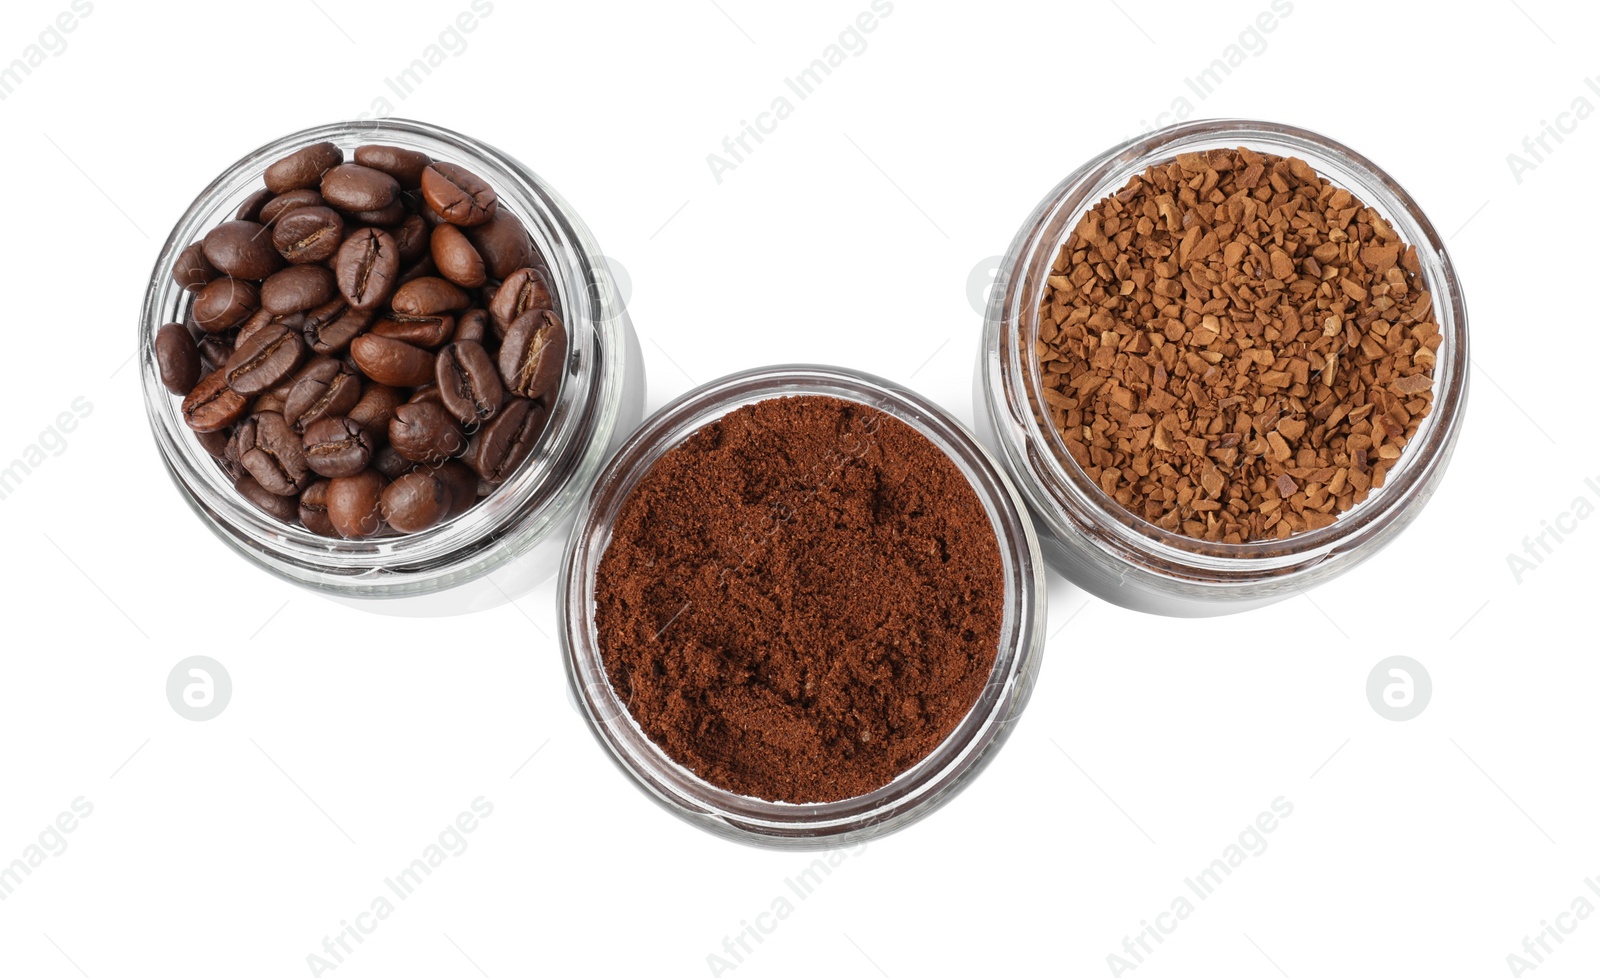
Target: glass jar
916, 792
1111, 552
601, 400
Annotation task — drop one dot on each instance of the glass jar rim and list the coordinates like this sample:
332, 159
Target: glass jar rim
916, 791
526, 507
1057, 488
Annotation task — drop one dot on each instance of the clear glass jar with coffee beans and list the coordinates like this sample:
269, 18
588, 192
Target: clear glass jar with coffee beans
383, 362
371, 341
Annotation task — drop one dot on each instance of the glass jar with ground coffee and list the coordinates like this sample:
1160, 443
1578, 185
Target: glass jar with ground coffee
1224, 362
803, 607
461, 258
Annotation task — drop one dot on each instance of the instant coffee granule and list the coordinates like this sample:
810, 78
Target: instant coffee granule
801, 600
1234, 349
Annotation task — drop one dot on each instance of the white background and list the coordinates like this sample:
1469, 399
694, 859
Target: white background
233, 847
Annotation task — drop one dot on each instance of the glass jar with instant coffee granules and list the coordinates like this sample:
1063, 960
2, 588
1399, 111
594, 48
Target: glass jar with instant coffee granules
1225, 362
802, 606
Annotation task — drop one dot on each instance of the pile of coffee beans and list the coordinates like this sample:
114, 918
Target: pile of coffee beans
373, 345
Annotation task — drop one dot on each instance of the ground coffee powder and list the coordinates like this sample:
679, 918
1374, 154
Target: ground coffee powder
801, 601
1235, 349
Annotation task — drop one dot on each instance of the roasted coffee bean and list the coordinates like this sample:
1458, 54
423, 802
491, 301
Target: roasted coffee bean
233, 472
469, 383
259, 320
308, 234
215, 442
457, 194
352, 187
391, 463
426, 394
329, 328
523, 290
262, 318
507, 441
191, 270
366, 266
473, 325
384, 217
250, 210
534, 354
422, 268
215, 349
272, 452
314, 509
242, 249
504, 244
375, 410
412, 237
324, 388
177, 358
418, 205
303, 167
298, 288
265, 359
462, 483
284, 508
426, 433
405, 165
391, 361
457, 259
283, 204
415, 501
337, 447
354, 504
224, 303
424, 331
275, 399
429, 296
